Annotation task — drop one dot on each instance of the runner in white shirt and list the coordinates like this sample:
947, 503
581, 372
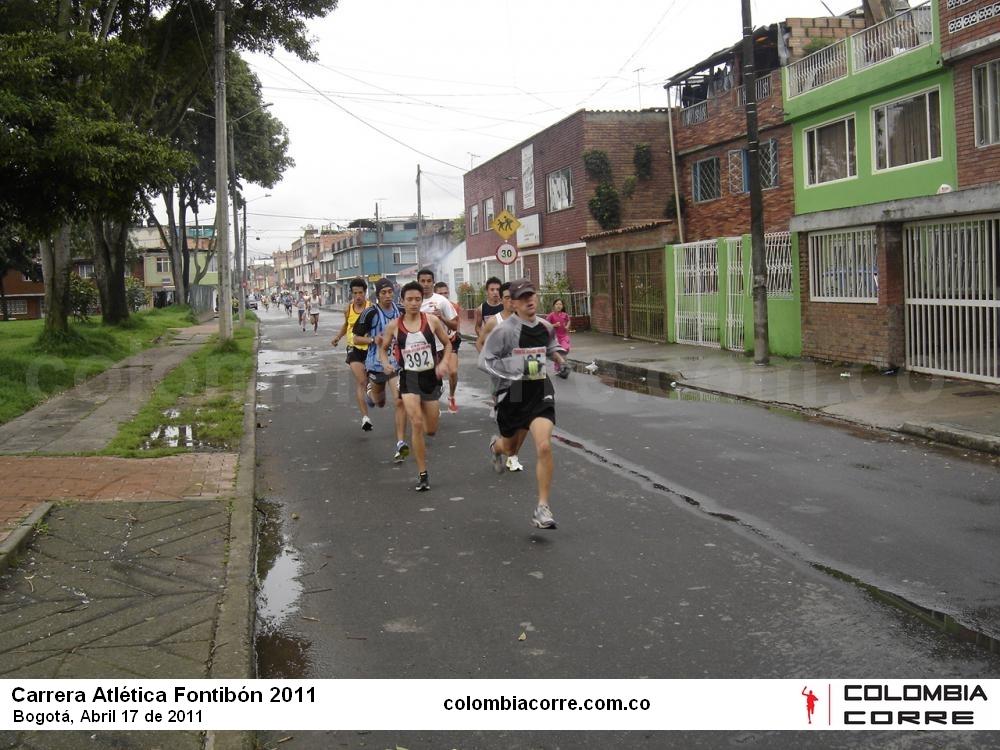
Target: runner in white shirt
441, 307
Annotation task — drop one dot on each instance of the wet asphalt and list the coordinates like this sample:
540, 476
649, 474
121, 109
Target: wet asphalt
698, 538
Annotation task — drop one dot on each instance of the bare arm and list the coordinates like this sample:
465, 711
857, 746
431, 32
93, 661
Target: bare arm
387, 336
485, 332
343, 329
478, 317
442, 334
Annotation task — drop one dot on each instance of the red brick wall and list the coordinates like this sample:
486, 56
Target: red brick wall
858, 333
804, 30
976, 166
952, 39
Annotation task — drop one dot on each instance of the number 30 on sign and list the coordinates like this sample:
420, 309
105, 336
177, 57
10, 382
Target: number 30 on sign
506, 253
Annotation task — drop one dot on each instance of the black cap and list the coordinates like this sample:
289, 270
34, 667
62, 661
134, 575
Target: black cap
520, 288
382, 284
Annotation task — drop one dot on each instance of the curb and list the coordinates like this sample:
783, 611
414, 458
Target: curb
21, 536
233, 643
666, 381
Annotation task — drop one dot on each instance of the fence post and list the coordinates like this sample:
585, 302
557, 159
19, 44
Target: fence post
670, 296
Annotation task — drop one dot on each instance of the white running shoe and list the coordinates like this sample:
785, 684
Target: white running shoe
513, 464
366, 424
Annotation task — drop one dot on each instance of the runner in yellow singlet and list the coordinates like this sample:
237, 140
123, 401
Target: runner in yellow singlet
356, 352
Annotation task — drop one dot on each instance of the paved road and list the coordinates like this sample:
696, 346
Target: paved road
689, 543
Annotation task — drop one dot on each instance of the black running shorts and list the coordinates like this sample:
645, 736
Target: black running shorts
525, 402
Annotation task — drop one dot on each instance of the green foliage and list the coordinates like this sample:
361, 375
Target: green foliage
556, 283
83, 297
815, 45
597, 164
670, 212
135, 294
628, 186
606, 206
642, 159
458, 228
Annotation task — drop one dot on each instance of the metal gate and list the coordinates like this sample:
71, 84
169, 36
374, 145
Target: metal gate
647, 310
737, 285
696, 271
620, 283
952, 292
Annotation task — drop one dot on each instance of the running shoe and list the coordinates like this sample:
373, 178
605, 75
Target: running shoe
366, 424
452, 406
542, 517
368, 396
497, 459
402, 451
422, 482
514, 464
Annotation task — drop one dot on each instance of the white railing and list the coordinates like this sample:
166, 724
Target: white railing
762, 87
843, 266
695, 113
818, 69
737, 278
908, 30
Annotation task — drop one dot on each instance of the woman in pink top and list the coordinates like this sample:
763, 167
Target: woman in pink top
560, 321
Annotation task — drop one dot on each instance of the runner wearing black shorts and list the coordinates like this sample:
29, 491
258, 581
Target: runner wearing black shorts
420, 371
356, 351
515, 355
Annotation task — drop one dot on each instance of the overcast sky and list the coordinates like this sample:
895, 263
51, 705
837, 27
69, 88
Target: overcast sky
451, 83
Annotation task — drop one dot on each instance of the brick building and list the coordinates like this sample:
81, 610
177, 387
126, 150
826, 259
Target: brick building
545, 182
895, 196
24, 296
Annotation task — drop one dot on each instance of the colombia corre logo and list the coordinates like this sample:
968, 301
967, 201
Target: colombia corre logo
881, 704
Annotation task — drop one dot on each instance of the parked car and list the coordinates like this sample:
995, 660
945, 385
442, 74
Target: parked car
251, 302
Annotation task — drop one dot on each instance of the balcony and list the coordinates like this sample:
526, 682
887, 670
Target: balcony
763, 88
695, 113
884, 41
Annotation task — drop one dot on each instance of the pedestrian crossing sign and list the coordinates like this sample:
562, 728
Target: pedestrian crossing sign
505, 224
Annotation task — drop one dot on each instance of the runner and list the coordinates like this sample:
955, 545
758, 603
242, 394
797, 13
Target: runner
435, 304
419, 376
515, 356
286, 300
357, 353
370, 329
301, 304
314, 302
506, 310
491, 305
456, 341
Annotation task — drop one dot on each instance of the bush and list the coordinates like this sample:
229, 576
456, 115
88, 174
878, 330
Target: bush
135, 294
642, 158
606, 206
83, 297
597, 164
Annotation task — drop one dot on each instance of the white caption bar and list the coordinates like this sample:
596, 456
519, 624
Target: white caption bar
500, 704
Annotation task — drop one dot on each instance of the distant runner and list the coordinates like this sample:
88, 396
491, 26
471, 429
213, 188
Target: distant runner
456, 341
489, 306
515, 355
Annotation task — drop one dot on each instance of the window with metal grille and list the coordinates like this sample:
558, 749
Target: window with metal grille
17, 307
552, 266
707, 183
843, 266
986, 102
739, 167
600, 275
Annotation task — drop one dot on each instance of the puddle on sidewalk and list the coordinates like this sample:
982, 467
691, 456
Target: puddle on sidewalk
179, 435
280, 652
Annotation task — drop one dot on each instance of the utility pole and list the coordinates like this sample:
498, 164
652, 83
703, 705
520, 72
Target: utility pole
238, 286
420, 219
221, 178
758, 261
638, 84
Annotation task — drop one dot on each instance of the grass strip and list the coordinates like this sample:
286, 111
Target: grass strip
198, 405
30, 374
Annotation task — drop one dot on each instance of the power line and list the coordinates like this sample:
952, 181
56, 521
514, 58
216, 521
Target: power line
363, 122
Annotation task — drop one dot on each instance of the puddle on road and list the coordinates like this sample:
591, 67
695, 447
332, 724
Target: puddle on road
271, 362
969, 632
280, 653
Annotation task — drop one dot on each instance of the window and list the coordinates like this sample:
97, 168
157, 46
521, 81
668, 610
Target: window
86, 271
830, 152
477, 274
907, 131
401, 255
474, 219
17, 307
508, 202
739, 167
213, 264
986, 102
459, 274
707, 184
551, 264
488, 214
560, 189
843, 266
163, 265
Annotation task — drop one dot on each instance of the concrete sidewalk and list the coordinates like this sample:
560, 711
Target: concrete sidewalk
124, 568
959, 412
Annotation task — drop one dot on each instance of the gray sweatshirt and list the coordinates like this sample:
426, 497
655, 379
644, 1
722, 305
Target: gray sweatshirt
518, 350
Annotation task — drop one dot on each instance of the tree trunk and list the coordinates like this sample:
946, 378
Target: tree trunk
56, 265
110, 245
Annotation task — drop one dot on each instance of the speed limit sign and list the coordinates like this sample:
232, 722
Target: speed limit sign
506, 253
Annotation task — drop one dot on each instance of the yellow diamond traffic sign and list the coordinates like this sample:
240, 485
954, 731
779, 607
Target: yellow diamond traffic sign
505, 224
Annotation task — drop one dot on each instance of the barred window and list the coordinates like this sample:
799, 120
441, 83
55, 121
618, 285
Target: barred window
739, 167
843, 266
707, 180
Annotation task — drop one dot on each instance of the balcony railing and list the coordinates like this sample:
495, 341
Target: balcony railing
818, 69
910, 29
906, 31
763, 88
695, 113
